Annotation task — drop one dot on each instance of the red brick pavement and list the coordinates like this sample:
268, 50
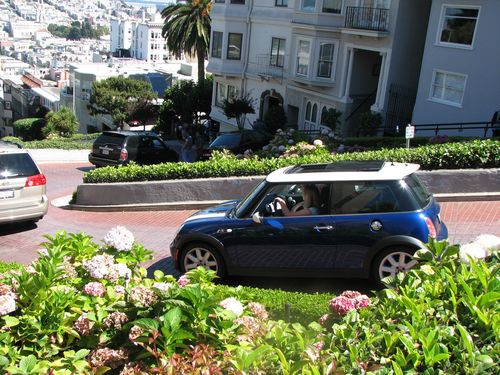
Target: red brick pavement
155, 229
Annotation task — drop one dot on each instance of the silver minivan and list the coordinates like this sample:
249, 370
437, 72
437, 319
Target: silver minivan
22, 186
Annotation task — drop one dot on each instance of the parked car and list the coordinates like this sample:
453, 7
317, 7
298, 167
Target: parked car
122, 147
238, 142
22, 186
373, 216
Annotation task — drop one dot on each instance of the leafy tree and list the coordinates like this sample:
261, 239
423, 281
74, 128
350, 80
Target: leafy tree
238, 108
331, 118
61, 123
187, 29
120, 98
29, 129
187, 100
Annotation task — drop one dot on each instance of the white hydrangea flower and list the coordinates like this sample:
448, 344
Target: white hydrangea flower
120, 270
162, 287
318, 142
265, 148
120, 238
291, 142
7, 304
331, 135
281, 148
43, 253
473, 250
488, 241
324, 131
99, 266
233, 305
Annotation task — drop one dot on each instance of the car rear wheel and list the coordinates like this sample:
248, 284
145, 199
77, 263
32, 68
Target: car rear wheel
392, 261
199, 254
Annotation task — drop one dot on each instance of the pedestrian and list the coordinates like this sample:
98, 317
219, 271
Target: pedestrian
199, 143
187, 147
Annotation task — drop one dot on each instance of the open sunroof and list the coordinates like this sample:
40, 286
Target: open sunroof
341, 166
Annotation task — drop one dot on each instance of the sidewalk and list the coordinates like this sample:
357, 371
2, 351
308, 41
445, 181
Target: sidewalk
51, 155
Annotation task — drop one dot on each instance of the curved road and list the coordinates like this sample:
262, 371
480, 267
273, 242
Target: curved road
155, 229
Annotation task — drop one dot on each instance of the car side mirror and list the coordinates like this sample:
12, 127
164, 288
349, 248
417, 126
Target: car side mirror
257, 219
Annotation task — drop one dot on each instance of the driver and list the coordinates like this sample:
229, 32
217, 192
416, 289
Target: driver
311, 201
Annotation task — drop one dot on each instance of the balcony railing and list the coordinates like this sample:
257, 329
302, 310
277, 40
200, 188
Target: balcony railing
267, 66
375, 19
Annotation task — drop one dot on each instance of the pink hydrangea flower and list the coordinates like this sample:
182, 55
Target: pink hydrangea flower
183, 281
347, 301
94, 288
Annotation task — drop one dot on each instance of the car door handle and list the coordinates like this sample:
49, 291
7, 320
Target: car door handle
318, 228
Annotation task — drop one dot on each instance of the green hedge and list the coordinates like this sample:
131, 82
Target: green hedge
76, 142
474, 154
290, 306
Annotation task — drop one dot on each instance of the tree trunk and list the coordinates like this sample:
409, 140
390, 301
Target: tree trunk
201, 66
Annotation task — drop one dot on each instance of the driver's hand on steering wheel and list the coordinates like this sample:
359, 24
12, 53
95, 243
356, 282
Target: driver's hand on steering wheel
280, 201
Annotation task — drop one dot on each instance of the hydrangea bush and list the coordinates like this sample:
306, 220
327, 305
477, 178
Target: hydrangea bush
84, 307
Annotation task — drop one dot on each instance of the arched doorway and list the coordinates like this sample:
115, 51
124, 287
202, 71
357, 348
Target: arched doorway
268, 99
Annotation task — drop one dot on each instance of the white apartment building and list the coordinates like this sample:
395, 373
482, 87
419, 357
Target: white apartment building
141, 38
312, 55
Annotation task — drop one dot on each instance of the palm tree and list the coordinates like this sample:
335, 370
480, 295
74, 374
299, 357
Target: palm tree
187, 29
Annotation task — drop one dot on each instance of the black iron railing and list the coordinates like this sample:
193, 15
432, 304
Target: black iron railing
376, 19
461, 127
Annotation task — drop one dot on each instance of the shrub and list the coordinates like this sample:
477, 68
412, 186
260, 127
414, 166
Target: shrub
475, 154
76, 142
29, 129
15, 140
62, 123
369, 123
88, 308
275, 118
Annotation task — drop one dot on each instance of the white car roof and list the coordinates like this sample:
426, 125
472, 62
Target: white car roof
343, 171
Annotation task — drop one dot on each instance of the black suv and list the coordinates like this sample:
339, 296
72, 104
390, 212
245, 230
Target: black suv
122, 147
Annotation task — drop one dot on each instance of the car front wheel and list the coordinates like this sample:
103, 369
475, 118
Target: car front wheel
201, 255
392, 261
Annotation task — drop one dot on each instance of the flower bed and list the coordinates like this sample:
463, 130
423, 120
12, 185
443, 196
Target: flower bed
474, 154
84, 307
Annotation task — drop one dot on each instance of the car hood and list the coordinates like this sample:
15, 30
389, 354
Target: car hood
213, 212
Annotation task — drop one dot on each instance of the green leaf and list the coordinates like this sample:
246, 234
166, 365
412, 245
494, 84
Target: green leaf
147, 324
26, 364
82, 353
10, 321
466, 339
3, 361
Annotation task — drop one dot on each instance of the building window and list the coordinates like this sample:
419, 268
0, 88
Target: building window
303, 57
223, 92
458, 25
7, 105
238, 2
278, 52
234, 42
281, 3
325, 61
220, 1
217, 44
332, 6
308, 5
311, 116
448, 87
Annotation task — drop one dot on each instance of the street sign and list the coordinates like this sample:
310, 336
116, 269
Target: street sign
410, 132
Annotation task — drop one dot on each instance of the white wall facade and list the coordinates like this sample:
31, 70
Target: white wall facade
329, 61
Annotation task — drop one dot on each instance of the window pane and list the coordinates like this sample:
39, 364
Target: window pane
221, 94
314, 113
448, 87
217, 44
332, 6
281, 3
303, 57
278, 52
234, 46
459, 25
237, 1
309, 5
308, 111
325, 62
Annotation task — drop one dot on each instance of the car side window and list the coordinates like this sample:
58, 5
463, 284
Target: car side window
157, 144
145, 142
359, 197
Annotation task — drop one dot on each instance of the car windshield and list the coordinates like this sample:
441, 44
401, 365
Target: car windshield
246, 203
226, 140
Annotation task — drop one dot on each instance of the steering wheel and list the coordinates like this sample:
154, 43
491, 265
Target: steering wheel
297, 207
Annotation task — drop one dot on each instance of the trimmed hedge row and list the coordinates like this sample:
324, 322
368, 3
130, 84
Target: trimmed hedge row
76, 142
474, 154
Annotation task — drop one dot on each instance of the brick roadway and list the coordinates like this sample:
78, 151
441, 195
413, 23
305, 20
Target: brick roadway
155, 229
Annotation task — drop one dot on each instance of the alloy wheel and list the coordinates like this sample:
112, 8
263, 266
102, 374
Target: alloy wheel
395, 262
199, 256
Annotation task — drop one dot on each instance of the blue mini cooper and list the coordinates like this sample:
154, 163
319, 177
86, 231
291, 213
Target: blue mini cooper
363, 219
